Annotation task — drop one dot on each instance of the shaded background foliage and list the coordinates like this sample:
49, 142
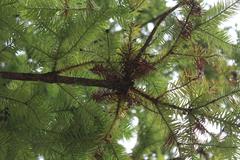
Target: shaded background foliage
107, 66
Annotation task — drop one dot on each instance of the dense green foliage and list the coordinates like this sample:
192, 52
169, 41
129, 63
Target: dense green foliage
75, 73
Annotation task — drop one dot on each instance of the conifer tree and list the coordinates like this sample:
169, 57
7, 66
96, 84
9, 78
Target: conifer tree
75, 73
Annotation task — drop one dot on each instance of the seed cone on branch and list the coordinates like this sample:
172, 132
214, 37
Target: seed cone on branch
187, 28
195, 7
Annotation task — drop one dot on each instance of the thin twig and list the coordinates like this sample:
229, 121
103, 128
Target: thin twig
114, 151
210, 145
116, 117
216, 99
176, 88
156, 102
23, 103
220, 13
160, 19
170, 130
170, 51
76, 66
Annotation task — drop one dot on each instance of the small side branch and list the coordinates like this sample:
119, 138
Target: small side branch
69, 68
170, 130
176, 88
159, 19
216, 99
170, 51
156, 102
116, 118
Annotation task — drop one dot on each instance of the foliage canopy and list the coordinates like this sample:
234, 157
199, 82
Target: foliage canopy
75, 73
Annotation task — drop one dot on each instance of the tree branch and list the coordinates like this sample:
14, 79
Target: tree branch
54, 78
